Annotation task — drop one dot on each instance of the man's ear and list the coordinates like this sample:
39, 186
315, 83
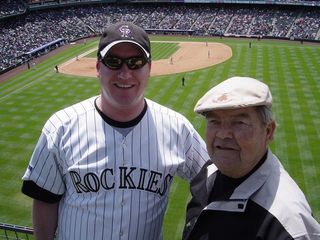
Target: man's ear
150, 65
98, 66
271, 127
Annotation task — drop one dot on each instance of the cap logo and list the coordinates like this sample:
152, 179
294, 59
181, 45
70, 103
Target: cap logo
125, 31
223, 98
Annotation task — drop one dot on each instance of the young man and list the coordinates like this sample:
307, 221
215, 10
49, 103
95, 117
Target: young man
250, 196
102, 168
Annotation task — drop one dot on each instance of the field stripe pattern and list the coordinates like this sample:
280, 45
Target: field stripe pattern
291, 70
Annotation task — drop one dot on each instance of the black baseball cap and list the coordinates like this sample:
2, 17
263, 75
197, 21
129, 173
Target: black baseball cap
124, 32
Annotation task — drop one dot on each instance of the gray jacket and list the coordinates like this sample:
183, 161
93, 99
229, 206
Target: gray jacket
270, 193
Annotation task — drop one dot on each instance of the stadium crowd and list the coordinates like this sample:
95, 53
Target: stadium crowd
30, 30
12, 7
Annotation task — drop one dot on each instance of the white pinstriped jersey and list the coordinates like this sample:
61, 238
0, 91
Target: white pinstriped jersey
113, 186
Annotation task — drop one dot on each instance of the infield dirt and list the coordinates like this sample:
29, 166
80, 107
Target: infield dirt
190, 56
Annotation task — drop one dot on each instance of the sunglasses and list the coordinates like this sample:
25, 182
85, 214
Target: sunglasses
133, 63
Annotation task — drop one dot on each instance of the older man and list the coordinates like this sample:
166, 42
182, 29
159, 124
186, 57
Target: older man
250, 195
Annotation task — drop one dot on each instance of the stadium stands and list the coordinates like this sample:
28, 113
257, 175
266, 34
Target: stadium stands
27, 30
9, 7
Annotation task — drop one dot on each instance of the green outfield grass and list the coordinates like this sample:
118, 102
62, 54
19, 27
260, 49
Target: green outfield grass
291, 70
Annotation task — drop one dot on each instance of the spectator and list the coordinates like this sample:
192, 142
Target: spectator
105, 166
247, 194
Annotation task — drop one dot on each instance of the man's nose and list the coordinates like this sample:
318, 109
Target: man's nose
224, 132
125, 72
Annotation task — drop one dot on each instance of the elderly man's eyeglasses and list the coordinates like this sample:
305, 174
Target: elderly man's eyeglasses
133, 63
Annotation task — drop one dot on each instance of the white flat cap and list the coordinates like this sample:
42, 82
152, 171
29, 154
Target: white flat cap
235, 92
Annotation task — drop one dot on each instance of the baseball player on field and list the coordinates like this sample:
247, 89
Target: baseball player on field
102, 168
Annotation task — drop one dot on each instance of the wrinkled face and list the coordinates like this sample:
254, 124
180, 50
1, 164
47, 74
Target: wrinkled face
237, 139
123, 88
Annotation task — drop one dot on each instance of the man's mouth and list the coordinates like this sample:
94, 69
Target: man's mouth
221, 147
126, 86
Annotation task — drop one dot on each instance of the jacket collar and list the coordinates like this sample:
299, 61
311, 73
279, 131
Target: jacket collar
249, 186
253, 183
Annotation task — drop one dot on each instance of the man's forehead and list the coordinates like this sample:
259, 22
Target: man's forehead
239, 112
123, 47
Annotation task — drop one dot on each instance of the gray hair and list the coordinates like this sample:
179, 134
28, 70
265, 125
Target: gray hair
265, 114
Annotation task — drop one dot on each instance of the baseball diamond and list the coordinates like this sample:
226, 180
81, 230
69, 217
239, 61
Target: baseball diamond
189, 57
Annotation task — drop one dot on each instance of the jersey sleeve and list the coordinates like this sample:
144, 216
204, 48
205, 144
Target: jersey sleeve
43, 179
196, 154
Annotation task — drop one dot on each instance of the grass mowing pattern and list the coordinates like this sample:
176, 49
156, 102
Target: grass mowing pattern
290, 69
